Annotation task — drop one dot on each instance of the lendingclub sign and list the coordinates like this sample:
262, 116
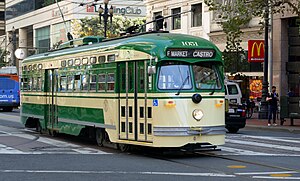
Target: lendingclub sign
256, 50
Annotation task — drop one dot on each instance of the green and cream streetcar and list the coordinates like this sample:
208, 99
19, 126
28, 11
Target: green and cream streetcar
153, 89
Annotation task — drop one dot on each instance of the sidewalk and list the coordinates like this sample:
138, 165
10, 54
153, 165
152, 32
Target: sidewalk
254, 122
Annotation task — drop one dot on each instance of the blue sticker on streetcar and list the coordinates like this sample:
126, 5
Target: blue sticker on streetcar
155, 102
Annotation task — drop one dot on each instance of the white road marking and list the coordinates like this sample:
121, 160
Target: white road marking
278, 178
282, 147
236, 151
61, 147
118, 172
8, 150
266, 173
281, 139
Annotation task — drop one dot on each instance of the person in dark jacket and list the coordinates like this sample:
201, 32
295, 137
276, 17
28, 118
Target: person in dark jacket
273, 99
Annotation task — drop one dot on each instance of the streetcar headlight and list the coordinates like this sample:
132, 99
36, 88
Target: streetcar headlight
198, 114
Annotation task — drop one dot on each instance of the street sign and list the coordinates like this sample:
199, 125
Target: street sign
256, 50
155, 102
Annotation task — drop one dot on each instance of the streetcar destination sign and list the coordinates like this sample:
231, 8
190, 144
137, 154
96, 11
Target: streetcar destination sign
190, 53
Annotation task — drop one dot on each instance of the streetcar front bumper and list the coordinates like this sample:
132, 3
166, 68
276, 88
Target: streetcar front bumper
189, 131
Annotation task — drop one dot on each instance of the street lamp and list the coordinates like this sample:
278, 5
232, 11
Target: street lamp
263, 114
105, 13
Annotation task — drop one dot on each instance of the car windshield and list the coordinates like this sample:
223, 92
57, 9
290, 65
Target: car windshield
206, 76
174, 77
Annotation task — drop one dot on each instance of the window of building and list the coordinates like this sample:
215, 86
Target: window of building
42, 39
156, 14
159, 13
58, 33
197, 15
176, 20
2, 16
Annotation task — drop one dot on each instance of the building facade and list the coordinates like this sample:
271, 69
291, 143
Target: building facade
38, 24
2, 25
204, 23
286, 56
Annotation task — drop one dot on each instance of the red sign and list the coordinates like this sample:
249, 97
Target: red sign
256, 50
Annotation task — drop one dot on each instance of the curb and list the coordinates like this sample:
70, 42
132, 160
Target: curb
277, 128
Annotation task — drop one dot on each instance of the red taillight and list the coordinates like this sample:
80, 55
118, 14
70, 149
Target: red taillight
244, 113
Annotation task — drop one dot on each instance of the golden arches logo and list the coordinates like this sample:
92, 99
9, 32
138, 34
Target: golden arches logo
258, 48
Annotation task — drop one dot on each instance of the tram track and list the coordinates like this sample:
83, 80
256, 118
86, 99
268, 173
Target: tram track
247, 162
244, 176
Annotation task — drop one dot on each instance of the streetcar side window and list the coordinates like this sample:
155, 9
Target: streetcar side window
30, 80
101, 59
70, 83
77, 83
101, 82
39, 84
24, 84
93, 60
142, 79
63, 83
110, 82
93, 82
85, 83
34, 84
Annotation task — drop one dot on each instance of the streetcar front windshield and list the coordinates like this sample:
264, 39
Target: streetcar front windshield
174, 77
206, 76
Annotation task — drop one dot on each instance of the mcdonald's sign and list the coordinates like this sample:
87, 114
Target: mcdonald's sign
256, 50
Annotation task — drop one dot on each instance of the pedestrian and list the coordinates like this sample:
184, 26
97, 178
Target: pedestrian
272, 99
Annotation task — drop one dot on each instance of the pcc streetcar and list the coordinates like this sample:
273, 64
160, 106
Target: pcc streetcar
153, 89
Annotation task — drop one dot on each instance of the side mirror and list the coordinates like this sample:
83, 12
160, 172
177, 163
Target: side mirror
151, 69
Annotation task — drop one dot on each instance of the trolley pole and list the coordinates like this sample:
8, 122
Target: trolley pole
263, 114
105, 13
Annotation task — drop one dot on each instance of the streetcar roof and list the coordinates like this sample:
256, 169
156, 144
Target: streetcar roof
155, 44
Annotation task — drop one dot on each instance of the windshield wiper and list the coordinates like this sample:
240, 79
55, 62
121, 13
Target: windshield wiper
214, 88
185, 80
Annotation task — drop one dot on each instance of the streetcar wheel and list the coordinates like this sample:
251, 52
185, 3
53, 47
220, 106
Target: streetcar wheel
38, 127
100, 136
233, 130
52, 133
124, 147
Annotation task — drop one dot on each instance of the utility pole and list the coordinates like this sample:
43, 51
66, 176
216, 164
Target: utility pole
263, 114
14, 46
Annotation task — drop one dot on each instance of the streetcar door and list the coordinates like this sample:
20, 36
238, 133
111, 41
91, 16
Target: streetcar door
133, 100
52, 98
